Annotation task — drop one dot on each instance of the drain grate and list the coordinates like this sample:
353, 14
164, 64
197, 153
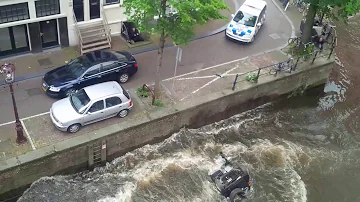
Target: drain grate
44, 62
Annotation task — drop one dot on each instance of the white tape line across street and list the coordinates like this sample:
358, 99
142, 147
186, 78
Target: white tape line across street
29, 117
218, 65
7, 123
210, 82
23, 119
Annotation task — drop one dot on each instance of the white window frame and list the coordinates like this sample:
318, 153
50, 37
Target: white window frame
112, 3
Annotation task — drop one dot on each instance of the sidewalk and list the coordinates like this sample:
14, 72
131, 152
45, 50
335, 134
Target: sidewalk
35, 65
293, 14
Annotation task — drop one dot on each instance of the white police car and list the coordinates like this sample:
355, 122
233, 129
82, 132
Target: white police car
247, 21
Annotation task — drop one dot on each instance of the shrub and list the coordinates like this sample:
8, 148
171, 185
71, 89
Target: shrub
158, 103
142, 92
251, 78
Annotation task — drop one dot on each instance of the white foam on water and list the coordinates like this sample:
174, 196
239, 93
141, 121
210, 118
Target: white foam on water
149, 162
124, 194
151, 169
298, 188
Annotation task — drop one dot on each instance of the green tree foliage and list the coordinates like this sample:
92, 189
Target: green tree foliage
333, 9
175, 19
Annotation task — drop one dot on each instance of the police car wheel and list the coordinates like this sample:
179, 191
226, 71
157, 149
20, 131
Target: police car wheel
253, 38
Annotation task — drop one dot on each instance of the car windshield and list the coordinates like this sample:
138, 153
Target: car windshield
77, 66
79, 101
245, 19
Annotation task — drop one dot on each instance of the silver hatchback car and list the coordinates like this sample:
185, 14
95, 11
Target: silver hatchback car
90, 104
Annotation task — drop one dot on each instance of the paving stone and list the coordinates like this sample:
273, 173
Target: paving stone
34, 91
45, 62
8, 146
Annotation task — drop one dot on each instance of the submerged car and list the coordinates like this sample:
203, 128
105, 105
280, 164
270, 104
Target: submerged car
90, 104
247, 21
232, 183
89, 69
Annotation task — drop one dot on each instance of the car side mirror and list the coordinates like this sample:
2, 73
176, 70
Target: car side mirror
259, 24
232, 15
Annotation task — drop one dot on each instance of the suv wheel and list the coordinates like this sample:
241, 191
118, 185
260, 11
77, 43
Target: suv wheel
74, 128
123, 78
237, 195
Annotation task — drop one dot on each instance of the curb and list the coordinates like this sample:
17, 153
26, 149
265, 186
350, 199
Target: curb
287, 18
291, 24
217, 31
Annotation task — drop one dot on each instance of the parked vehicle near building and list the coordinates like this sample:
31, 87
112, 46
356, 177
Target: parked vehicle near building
247, 21
89, 69
91, 104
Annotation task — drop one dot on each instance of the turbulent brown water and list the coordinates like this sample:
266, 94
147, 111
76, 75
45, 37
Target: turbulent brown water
304, 148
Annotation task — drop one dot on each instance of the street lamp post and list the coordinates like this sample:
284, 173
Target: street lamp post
8, 70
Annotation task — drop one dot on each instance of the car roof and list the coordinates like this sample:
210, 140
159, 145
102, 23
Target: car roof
101, 90
253, 7
99, 56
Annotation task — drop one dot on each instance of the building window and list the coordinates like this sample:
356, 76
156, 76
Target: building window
47, 7
108, 2
14, 12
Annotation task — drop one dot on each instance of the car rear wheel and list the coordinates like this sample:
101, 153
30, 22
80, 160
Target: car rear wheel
74, 128
123, 78
69, 92
237, 195
123, 113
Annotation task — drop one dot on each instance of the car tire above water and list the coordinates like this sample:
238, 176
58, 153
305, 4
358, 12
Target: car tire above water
74, 128
123, 78
236, 195
123, 113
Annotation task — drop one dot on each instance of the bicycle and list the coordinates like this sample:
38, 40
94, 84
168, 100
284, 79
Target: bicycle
308, 50
328, 31
304, 9
293, 44
282, 67
300, 5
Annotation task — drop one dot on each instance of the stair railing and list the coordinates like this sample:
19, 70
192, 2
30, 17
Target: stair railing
78, 33
106, 25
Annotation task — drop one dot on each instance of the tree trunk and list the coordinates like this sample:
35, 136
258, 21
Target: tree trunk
160, 57
309, 22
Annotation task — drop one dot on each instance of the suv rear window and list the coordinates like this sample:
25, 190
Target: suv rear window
125, 93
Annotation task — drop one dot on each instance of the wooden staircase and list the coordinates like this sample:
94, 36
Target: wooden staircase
93, 36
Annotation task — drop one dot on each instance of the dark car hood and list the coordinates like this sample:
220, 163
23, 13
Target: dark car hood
59, 76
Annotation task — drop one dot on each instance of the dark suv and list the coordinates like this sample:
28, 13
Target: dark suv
89, 69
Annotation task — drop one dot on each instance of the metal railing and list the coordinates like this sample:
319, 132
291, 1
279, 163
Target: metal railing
76, 27
292, 62
106, 25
